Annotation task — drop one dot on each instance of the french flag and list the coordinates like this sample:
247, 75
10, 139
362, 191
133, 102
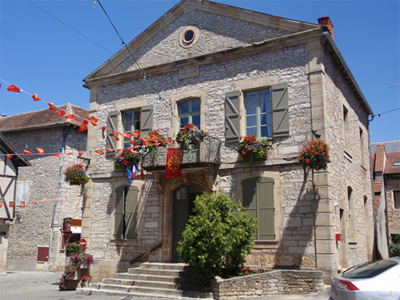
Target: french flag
132, 173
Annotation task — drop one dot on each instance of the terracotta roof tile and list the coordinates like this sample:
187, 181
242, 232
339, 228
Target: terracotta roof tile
391, 159
43, 118
380, 158
377, 186
373, 162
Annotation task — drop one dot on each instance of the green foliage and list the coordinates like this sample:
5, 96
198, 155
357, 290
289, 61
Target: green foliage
73, 248
217, 238
394, 247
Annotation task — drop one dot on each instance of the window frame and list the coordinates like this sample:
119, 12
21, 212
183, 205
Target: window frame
135, 119
189, 114
258, 113
396, 199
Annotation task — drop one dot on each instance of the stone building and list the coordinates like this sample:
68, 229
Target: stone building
221, 67
9, 167
30, 232
386, 175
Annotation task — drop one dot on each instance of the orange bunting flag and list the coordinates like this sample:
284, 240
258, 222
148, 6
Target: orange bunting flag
173, 167
34, 202
103, 129
60, 112
68, 153
57, 154
44, 199
9, 156
11, 203
119, 151
84, 126
79, 196
22, 204
168, 140
115, 135
125, 135
56, 198
93, 120
80, 153
13, 88
70, 117
136, 133
1, 204
67, 198
41, 151
101, 152
27, 152
109, 150
51, 106
35, 97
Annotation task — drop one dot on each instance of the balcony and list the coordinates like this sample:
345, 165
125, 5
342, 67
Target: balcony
207, 155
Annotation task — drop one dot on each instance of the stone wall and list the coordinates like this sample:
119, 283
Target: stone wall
31, 226
269, 283
392, 184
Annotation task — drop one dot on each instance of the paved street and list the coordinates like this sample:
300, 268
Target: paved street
44, 286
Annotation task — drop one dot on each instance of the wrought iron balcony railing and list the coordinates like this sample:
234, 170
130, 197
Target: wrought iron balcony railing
208, 153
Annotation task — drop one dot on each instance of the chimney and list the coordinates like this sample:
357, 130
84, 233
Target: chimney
326, 22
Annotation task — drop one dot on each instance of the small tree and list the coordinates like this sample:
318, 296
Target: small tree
394, 246
217, 238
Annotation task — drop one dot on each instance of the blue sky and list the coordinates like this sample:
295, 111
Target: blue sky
49, 47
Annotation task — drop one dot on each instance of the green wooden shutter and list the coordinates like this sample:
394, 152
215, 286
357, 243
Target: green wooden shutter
265, 207
258, 199
112, 124
131, 200
146, 120
280, 110
119, 212
249, 187
232, 116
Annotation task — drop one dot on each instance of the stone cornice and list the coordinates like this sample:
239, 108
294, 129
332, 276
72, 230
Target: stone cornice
215, 57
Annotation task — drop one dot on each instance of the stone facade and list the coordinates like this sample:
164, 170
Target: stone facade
32, 224
306, 214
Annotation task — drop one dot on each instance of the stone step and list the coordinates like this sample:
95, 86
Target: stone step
165, 266
131, 290
161, 278
184, 295
161, 272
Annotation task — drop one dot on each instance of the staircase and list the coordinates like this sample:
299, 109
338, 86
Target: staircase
167, 280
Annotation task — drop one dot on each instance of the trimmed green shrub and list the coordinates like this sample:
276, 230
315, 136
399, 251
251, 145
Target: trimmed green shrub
394, 246
217, 238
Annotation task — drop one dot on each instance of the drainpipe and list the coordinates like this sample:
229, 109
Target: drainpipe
65, 134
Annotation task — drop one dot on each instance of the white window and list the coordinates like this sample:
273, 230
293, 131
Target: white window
22, 191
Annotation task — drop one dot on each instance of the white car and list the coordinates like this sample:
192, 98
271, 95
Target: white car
378, 280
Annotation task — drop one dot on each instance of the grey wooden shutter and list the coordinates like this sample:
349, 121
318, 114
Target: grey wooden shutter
112, 124
258, 199
265, 203
131, 199
280, 110
119, 212
146, 120
232, 116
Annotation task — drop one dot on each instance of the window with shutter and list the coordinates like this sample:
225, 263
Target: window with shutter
258, 199
146, 120
112, 124
126, 212
130, 123
280, 107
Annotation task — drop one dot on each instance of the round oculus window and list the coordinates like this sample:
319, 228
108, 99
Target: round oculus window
188, 36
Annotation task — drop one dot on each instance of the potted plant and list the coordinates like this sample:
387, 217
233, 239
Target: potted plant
69, 279
85, 281
315, 156
73, 248
150, 143
190, 137
81, 260
251, 148
76, 175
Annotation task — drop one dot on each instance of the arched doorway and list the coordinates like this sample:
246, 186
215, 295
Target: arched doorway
182, 209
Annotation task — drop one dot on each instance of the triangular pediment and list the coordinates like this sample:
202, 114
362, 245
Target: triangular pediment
216, 27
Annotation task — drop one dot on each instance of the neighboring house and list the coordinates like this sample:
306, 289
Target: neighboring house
234, 72
9, 168
30, 231
386, 175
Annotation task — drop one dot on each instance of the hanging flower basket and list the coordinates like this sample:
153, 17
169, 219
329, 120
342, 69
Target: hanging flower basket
126, 158
250, 148
190, 137
76, 175
314, 155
